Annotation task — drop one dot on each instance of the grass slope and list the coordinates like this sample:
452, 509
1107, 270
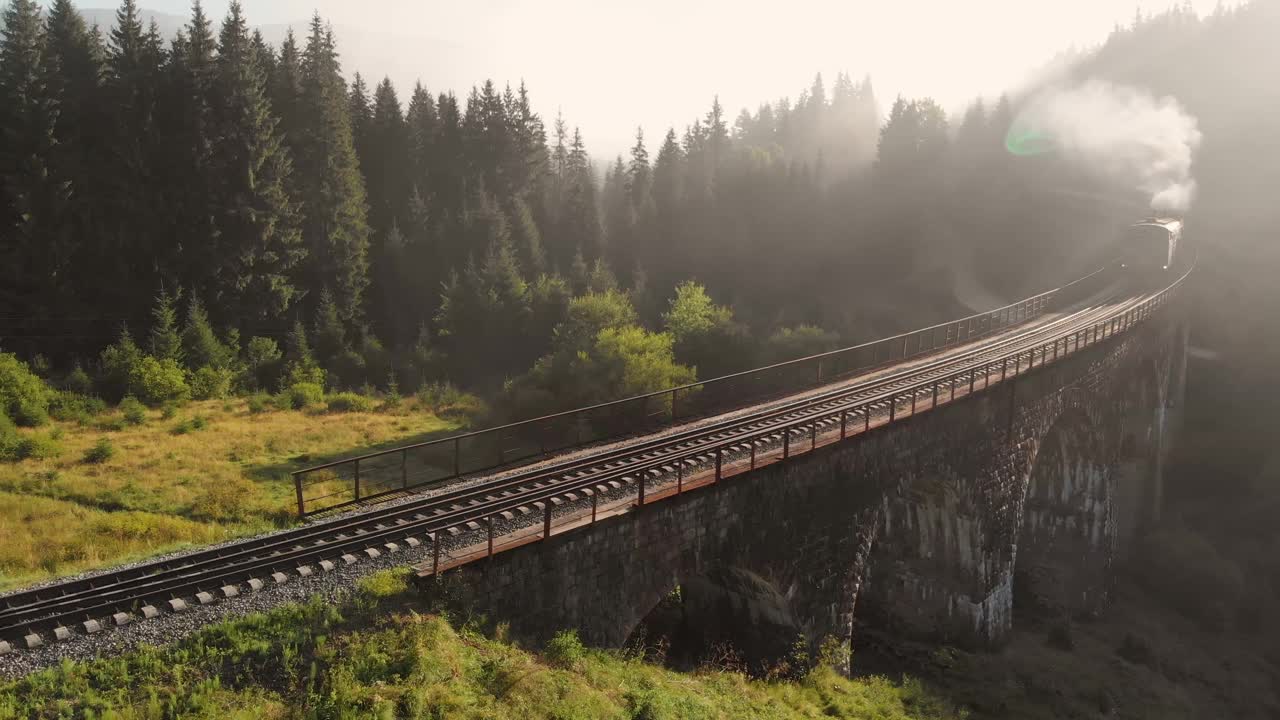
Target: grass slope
210, 472
380, 657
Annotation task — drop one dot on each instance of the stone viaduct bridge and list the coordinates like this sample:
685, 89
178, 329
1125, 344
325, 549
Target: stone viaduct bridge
942, 525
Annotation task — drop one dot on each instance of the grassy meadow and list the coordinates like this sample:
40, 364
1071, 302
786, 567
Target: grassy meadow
382, 656
111, 488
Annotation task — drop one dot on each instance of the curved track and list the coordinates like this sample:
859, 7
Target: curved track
664, 459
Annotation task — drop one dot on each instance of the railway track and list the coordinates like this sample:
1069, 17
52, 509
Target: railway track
88, 605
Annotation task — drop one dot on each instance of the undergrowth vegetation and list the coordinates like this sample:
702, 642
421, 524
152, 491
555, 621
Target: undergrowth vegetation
84, 485
378, 656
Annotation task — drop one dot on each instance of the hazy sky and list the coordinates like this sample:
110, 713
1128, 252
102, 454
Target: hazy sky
610, 65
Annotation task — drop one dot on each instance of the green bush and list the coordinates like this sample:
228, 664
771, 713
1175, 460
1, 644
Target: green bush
68, 405
349, 402
135, 413
301, 395
262, 360
78, 381
101, 452
259, 403
9, 439
565, 649
38, 447
209, 383
157, 382
186, 426
23, 395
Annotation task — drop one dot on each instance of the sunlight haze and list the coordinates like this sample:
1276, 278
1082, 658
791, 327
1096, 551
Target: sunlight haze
607, 65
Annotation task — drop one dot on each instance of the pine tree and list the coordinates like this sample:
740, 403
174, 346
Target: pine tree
388, 154
200, 345
260, 241
335, 227
31, 250
165, 339
361, 114
421, 128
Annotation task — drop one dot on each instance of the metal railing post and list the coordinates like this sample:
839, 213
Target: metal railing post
913, 401
1004, 369
357, 479
935, 394
546, 520
973, 377
297, 486
786, 443
490, 537
753, 454
404, 469
457, 457
844, 423
893, 407
435, 554
719, 462
866, 418
595, 503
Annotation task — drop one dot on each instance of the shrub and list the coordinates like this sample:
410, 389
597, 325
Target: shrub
186, 426
78, 381
101, 452
301, 395
565, 649
262, 357
9, 439
349, 402
1061, 637
117, 365
156, 382
37, 447
68, 405
1138, 651
168, 411
259, 403
209, 383
135, 413
23, 395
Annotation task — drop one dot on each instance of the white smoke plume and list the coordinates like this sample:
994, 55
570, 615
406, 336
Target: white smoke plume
1126, 133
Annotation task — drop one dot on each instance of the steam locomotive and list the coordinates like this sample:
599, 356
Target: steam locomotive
1148, 249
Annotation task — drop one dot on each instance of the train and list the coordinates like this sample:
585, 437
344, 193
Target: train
1149, 247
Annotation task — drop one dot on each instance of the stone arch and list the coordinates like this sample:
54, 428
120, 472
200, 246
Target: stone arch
1066, 527
719, 607
934, 566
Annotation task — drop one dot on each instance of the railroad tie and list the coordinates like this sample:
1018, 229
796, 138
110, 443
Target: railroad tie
327, 565
279, 578
149, 611
91, 627
177, 605
304, 570
254, 584
204, 598
5, 647
229, 591
121, 619
33, 641
391, 547
61, 633
412, 542
373, 553
349, 559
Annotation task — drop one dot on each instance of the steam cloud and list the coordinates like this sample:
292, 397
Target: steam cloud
1124, 132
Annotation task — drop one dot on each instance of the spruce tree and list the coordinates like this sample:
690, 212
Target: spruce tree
31, 249
200, 345
335, 227
165, 339
260, 241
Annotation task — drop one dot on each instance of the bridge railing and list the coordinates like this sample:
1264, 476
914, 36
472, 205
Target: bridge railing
538, 514
349, 481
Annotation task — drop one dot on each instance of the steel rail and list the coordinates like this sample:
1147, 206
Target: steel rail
544, 427
191, 576
225, 554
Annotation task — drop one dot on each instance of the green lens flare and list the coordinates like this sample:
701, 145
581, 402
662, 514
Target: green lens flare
1024, 141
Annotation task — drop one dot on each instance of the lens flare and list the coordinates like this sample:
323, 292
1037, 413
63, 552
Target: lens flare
1024, 140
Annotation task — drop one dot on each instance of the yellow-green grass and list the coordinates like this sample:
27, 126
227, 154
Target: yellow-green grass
381, 656
169, 484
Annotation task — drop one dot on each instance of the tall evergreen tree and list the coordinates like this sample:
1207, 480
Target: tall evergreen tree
259, 225
335, 226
